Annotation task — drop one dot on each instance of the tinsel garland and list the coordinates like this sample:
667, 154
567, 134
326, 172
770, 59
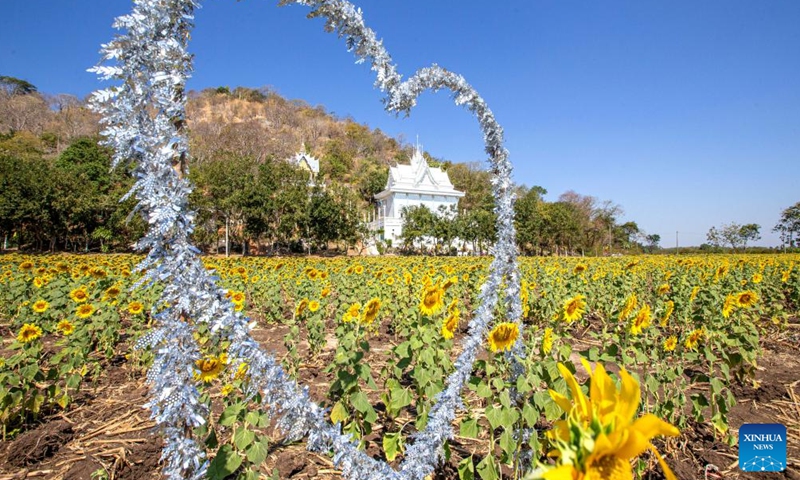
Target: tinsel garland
144, 121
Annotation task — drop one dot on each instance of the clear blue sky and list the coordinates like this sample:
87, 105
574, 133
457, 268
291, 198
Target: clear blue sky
685, 113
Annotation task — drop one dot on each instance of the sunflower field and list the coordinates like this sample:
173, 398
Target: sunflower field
679, 332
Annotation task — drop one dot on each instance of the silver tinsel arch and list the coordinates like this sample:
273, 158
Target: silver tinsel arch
144, 117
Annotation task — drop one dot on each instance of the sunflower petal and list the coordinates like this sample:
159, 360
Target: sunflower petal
562, 472
577, 395
651, 426
667, 471
633, 445
561, 401
628, 400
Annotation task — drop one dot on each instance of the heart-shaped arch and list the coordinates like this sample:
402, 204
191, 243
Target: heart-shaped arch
145, 119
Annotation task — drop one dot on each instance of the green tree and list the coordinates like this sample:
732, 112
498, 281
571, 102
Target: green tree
789, 225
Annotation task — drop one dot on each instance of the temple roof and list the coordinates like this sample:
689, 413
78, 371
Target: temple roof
305, 161
419, 177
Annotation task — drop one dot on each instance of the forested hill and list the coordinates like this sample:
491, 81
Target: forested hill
56, 191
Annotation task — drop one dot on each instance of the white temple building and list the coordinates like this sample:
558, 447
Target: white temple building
408, 186
305, 161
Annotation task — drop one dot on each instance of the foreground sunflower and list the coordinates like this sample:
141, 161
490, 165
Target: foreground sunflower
601, 434
209, 368
432, 300
40, 306
85, 311
371, 311
135, 307
503, 336
746, 299
28, 333
451, 323
574, 308
65, 327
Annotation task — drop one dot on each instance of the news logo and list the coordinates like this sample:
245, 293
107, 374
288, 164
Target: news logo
762, 447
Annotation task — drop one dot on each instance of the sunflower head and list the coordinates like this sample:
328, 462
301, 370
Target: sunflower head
313, 305
28, 333
746, 299
84, 310
65, 327
601, 433
503, 336
135, 308
451, 323
40, 306
209, 368
574, 308
370, 311
432, 300
79, 295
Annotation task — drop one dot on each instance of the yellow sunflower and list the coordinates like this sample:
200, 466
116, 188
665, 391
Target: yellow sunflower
432, 300
313, 305
746, 299
28, 333
325, 292
65, 327
451, 324
579, 268
694, 339
641, 321
695, 291
668, 313
503, 336
670, 343
301, 307
135, 308
663, 289
630, 306
547, 341
353, 313
85, 311
729, 306
40, 306
370, 311
601, 434
574, 308
238, 298
25, 266
79, 295
112, 291
757, 278
209, 368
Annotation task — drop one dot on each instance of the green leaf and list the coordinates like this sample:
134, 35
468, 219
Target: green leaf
466, 469
230, 414
257, 452
487, 468
469, 428
339, 413
401, 397
392, 445
225, 463
243, 438
494, 415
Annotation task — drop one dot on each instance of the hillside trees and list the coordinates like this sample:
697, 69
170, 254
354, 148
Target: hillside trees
733, 234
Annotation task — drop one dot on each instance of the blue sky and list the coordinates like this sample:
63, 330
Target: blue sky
685, 113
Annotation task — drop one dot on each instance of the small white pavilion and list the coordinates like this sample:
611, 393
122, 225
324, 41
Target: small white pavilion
305, 161
408, 186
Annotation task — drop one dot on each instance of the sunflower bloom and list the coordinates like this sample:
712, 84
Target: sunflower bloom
694, 339
670, 343
547, 341
729, 306
630, 306
663, 289
695, 291
79, 295
503, 336
85, 310
574, 308
28, 333
40, 306
601, 434
313, 305
65, 327
135, 308
451, 324
579, 268
668, 313
641, 321
746, 299
209, 368
371, 311
353, 313
301, 307
238, 298
432, 300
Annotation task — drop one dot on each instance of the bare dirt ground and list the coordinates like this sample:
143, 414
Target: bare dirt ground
107, 430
